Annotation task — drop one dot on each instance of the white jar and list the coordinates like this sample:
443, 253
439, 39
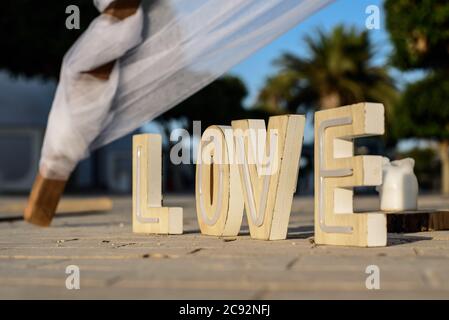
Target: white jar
399, 189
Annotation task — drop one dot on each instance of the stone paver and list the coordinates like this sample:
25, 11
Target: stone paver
115, 263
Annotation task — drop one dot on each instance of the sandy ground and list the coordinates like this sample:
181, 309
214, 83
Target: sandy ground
115, 263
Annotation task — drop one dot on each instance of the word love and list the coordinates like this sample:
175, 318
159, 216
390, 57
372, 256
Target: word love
248, 167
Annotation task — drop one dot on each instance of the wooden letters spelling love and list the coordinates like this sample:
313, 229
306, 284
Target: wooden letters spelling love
248, 167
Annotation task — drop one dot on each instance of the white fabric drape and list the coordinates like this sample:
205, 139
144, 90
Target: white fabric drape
166, 52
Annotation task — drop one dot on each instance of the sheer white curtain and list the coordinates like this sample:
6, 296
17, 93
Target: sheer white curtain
166, 52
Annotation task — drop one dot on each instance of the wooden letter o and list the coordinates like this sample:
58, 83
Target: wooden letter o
219, 196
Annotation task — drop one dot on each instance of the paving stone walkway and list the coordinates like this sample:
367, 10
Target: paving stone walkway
115, 263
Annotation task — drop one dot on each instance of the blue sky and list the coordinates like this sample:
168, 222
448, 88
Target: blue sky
256, 68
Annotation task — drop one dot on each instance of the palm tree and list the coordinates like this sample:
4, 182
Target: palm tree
338, 71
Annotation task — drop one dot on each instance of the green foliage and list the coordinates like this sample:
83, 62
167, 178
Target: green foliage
419, 30
34, 37
219, 103
337, 71
279, 92
424, 109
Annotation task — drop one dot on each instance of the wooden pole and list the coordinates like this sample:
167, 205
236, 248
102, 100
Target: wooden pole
46, 193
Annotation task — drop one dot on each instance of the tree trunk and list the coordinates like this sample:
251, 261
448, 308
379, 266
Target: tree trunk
273, 104
444, 158
330, 100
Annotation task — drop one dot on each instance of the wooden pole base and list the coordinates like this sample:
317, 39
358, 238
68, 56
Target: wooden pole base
43, 201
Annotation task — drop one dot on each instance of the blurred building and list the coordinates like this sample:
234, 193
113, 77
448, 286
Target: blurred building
24, 108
